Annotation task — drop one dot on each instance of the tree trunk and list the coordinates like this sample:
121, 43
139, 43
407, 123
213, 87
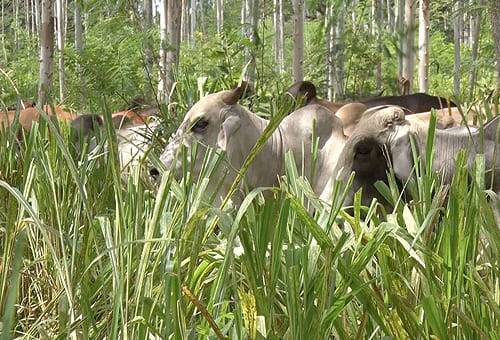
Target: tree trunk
170, 30
184, 20
79, 48
401, 35
298, 40
16, 24
220, 15
46, 51
60, 46
4, 49
456, 36
148, 53
474, 41
192, 10
390, 14
495, 24
330, 45
250, 18
423, 46
279, 37
37, 16
338, 54
406, 80
377, 26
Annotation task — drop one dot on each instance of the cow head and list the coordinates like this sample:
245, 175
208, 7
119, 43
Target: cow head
211, 122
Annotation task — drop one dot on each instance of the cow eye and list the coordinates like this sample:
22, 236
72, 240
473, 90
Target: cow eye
200, 126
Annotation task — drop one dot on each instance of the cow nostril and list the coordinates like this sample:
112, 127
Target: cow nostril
153, 172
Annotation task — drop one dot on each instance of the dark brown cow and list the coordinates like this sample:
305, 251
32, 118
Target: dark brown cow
416, 103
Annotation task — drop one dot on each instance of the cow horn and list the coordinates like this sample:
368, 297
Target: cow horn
231, 97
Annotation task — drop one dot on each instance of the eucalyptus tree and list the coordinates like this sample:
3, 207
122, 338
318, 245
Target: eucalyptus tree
475, 26
495, 24
298, 40
219, 8
279, 35
60, 45
408, 47
457, 29
250, 21
46, 50
170, 29
423, 46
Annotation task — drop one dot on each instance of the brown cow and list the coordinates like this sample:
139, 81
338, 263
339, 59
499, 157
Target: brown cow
31, 114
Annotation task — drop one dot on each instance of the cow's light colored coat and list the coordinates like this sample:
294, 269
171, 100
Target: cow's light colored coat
217, 120
388, 128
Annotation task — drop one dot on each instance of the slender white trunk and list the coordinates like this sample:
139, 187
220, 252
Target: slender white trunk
474, 37
162, 89
456, 35
37, 16
377, 5
400, 30
192, 12
423, 46
16, 24
148, 53
184, 20
330, 45
298, 40
170, 29
250, 18
339, 50
408, 44
353, 13
219, 4
279, 37
390, 13
46, 51
60, 46
79, 47
495, 24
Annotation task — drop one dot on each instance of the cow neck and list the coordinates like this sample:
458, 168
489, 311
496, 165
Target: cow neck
270, 154
446, 145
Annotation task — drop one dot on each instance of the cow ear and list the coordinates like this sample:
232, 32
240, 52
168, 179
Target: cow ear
231, 97
228, 128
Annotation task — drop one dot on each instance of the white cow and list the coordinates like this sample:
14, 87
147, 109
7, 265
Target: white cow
387, 128
218, 121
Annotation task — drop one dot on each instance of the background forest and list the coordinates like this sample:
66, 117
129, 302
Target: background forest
87, 254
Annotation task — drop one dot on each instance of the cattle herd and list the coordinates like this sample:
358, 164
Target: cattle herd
361, 139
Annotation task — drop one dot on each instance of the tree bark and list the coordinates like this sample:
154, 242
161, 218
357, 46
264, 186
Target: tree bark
456, 36
495, 24
148, 53
298, 40
330, 45
400, 30
474, 41
170, 30
279, 37
192, 10
423, 46
219, 4
60, 46
46, 51
250, 12
406, 80
377, 26
37, 16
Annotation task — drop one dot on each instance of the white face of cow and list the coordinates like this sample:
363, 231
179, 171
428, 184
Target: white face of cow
209, 123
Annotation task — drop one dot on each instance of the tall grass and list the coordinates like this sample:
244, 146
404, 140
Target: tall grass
86, 254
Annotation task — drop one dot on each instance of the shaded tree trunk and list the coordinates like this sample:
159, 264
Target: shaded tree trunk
250, 18
148, 53
401, 35
377, 5
220, 15
495, 24
170, 29
330, 50
46, 51
60, 46
406, 81
37, 16
298, 40
279, 37
474, 41
79, 47
457, 29
423, 46
192, 10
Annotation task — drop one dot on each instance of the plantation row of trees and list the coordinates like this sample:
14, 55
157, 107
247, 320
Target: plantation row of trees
350, 48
